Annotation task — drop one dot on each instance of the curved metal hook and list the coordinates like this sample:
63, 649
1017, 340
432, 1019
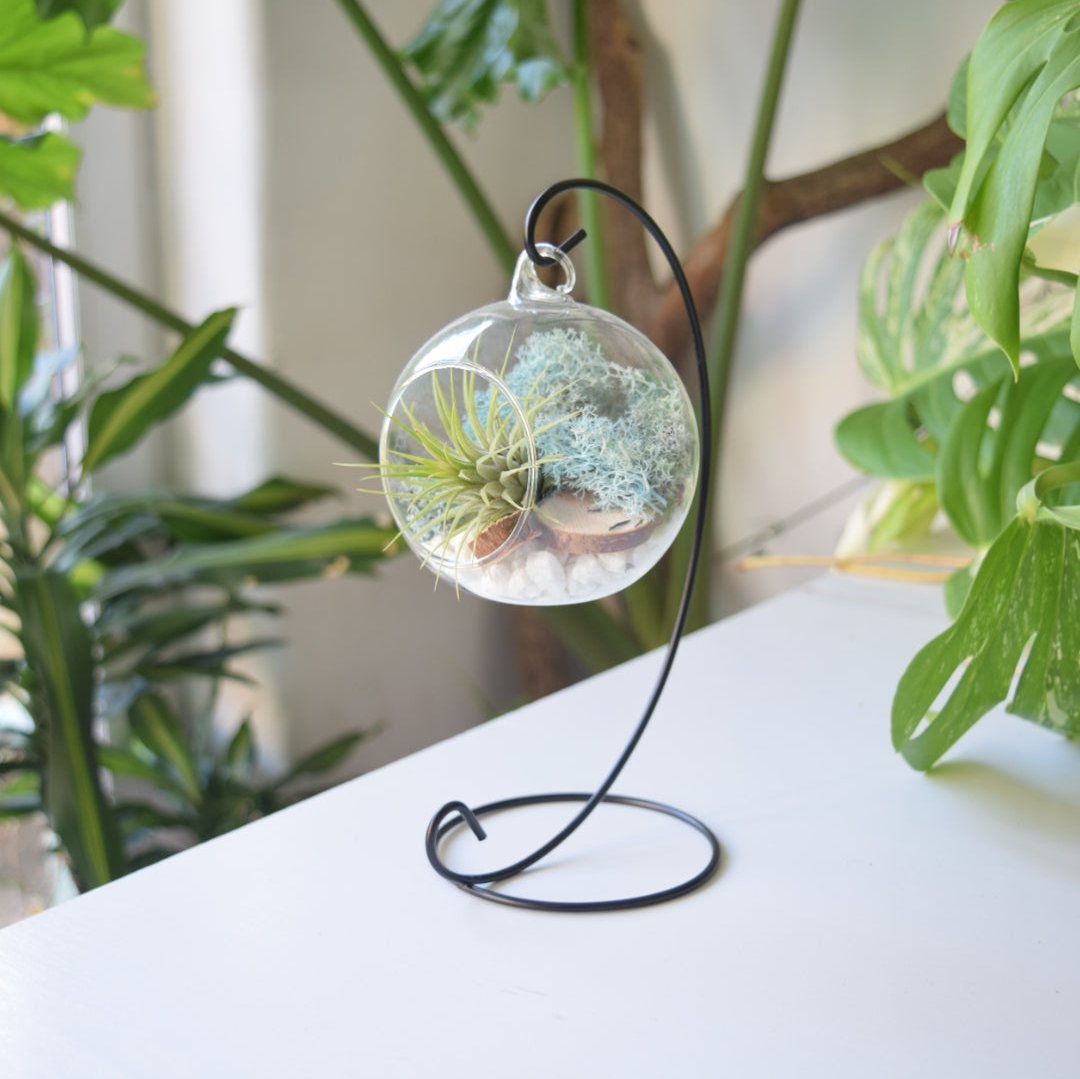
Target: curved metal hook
439, 826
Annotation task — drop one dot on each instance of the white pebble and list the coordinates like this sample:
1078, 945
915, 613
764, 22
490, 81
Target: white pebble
545, 571
583, 573
520, 586
613, 562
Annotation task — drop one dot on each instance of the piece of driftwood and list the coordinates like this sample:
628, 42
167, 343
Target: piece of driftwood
501, 537
574, 524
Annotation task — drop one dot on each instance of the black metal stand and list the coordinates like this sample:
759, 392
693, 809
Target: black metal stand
458, 812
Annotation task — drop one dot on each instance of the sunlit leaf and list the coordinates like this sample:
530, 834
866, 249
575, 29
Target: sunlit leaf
37, 171
1026, 593
57, 66
983, 465
18, 327
280, 494
123, 416
286, 554
1024, 63
917, 338
468, 49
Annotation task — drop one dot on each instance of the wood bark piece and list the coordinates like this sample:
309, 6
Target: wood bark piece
574, 525
500, 536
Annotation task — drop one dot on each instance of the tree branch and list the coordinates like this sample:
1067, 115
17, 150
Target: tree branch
786, 202
619, 65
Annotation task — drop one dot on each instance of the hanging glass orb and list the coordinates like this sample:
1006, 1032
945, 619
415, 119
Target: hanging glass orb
538, 450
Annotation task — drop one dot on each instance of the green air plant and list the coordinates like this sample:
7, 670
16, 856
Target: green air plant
460, 479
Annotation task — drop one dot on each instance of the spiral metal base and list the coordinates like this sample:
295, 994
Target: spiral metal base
440, 828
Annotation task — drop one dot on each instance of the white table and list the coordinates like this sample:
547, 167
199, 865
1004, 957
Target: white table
868, 921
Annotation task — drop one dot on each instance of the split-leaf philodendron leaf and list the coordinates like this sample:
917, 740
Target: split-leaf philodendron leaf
1020, 614
1025, 62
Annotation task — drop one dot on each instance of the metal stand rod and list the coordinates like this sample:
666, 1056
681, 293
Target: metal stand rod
454, 815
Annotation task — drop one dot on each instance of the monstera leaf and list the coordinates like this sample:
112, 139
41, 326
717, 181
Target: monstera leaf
1021, 613
995, 444
1023, 65
468, 48
918, 341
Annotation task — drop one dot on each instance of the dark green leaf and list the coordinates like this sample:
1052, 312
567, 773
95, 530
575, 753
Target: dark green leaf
129, 765
279, 494
148, 856
18, 327
158, 629
1027, 59
158, 727
209, 663
469, 48
56, 66
883, 440
92, 12
39, 170
287, 554
123, 416
983, 466
324, 759
136, 817
58, 652
240, 754
1027, 590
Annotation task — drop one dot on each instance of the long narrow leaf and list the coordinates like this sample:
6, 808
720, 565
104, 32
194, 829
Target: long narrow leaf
18, 327
358, 545
121, 417
59, 655
160, 729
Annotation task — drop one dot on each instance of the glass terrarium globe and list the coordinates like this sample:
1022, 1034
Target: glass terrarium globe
538, 450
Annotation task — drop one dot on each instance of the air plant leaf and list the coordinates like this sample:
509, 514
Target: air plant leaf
1025, 62
468, 49
38, 170
57, 66
1020, 613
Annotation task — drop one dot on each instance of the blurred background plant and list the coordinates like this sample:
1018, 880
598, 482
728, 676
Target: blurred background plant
124, 615
957, 443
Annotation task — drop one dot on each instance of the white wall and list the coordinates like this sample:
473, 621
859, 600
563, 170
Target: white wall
292, 180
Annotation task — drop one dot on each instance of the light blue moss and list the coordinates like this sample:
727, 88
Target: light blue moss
613, 432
